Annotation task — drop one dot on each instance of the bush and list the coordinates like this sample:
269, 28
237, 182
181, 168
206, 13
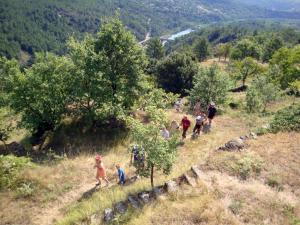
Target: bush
10, 169
274, 182
249, 165
25, 190
287, 119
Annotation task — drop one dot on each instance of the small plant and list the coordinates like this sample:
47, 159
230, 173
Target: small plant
274, 182
25, 190
249, 165
235, 207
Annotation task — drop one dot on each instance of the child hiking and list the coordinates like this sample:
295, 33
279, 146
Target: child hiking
199, 123
101, 173
121, 175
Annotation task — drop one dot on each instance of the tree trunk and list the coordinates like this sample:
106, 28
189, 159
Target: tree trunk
152, 176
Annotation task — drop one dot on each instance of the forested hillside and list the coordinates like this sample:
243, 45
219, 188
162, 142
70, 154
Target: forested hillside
288, 5
41, 25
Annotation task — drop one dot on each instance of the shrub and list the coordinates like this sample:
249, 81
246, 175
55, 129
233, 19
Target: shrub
249, 165
287, 119
235, 207
10, 169
274, 182
25, 190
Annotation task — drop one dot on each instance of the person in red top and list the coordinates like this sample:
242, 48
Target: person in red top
185, 123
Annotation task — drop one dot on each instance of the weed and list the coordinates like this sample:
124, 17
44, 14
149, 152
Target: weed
235, 207
275, 182
248, 165
25, 190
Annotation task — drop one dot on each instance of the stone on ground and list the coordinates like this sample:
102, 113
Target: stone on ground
172, 186
108, 215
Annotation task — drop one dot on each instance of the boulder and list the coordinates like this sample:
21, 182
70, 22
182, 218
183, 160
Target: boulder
121, 207
253, 135
134, 202
196, 171
235, 145
145, 197
171, 186
158, 191
108, 215
190, 180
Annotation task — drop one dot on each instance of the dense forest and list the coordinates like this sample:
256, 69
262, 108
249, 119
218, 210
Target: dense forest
32, 26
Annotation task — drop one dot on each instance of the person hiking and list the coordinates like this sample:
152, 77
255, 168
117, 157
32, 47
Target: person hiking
121, 175
165, 133
101, 172
174, 127
177, 105
185, 123
137, 157
199, 123
211, 112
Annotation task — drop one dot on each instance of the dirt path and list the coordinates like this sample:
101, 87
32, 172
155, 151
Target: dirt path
55, 211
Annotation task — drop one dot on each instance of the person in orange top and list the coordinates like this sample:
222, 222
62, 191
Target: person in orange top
101, 173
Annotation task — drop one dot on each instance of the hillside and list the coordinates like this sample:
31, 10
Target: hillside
40, 25
287, 5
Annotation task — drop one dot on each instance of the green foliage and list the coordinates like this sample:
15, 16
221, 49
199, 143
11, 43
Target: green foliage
201, 49
287, 119
272, 45
249, 165
25, 190
210, 84
10, 170
41, 94
286, 60
245, 48
109, 71
175, 73
260, 94
155, 49
159, 153
295, 87
246, 68
235, 207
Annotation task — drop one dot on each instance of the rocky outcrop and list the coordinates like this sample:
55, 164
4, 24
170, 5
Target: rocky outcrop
237, 144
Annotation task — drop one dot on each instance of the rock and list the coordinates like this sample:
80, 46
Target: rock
196, 171
134, 202
253, 135
16, 149
191, 181
158, 191
145, 197
132, 180
121, 207
244, 138
108, 215
172, 186
235, 144
95, 219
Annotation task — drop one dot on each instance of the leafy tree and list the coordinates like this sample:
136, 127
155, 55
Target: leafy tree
175, 73
210, 84
120, 61
286, 61
5, 131
271, 47
261, 93
201, 49
245, 48
109, 71
246, 68
40, 94
155, 49
159, 153
223, 50
295, 87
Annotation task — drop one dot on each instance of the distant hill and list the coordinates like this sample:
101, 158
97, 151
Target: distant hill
279, 5
42, 25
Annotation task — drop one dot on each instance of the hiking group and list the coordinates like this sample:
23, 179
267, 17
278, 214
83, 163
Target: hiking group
203, 122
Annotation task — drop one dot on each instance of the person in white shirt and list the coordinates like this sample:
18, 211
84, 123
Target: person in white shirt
199, 123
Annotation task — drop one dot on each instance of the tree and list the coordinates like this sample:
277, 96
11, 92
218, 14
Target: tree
210, 84
201, 49
261, 93
246, 68
223, 50
109, 71
271, 47
245, 48
159, 153
120, 61
155, 49
286, 61
41, 94
175, 73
